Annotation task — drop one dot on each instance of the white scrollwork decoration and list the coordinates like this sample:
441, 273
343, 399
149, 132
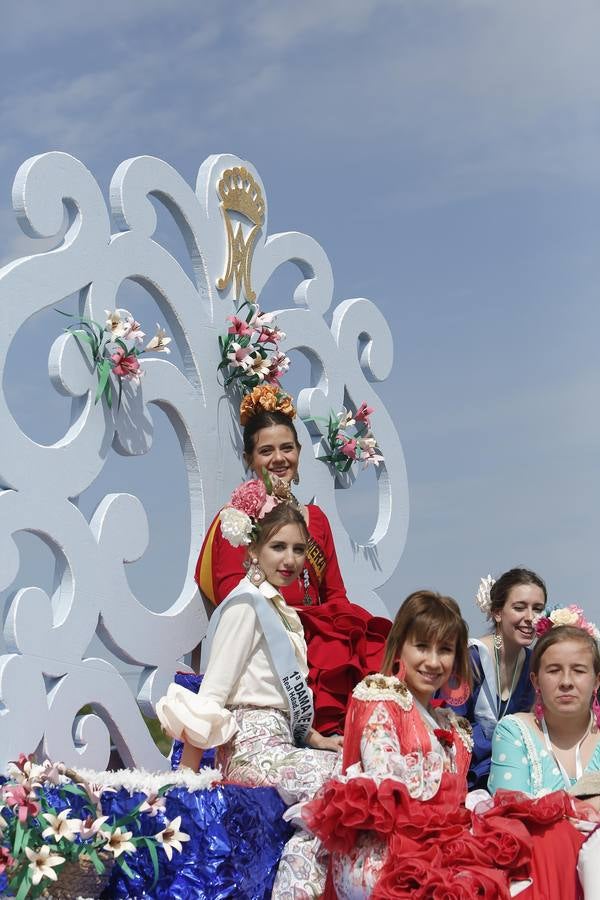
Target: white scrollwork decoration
46, 674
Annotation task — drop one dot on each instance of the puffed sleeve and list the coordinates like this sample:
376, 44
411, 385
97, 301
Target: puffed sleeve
482, 745
202, 719
511, 766
332, 584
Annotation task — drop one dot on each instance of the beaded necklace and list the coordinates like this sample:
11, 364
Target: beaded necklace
504, 704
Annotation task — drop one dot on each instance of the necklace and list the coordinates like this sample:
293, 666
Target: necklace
578, 766
504, 703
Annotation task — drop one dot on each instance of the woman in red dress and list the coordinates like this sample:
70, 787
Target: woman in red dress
345, 642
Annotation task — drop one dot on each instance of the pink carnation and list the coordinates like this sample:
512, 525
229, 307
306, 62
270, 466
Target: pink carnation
542, 625
250, 497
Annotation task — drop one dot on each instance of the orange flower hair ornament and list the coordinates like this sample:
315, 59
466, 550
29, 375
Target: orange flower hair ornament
266, 398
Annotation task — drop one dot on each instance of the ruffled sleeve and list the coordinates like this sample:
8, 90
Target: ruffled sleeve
201, 719
188, 717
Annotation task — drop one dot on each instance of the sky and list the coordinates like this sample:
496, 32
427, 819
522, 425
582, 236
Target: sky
446, 155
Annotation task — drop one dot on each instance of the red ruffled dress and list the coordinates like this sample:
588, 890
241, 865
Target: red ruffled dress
345, 642
396, 825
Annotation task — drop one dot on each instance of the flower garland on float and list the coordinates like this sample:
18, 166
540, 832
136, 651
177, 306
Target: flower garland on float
116, 348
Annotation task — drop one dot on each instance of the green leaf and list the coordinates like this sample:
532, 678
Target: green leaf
223, 364
24, 886
125, 867
154, 857
104, 369
97, 862
267, 480
122, 345
19, 835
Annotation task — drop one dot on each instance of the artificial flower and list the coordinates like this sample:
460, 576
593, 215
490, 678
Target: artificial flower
42, 863
363, 413
259, 365
260, 319
236, 526
238, 326
118, 323
159, 342
171, 837
278, 366
119, 842
23, 799
125, 365
6, 859
250, 497
564, 616
345, 418
366, 443
239, 356
91, 827
153, 804
268, 335
61, 826
348, 447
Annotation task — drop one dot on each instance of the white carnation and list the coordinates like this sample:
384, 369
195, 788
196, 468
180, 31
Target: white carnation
236, 526
564, 617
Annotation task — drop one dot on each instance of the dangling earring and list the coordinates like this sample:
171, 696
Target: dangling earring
596, 710
538, 707
255, 573
498, 641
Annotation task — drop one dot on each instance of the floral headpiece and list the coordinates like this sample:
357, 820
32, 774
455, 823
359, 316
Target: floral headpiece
266, 398
564, 615
249, 503
483, 597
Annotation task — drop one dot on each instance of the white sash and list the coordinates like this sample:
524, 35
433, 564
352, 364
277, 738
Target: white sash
487, 704
285, 663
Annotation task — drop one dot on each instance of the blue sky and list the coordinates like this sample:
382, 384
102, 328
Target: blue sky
446, 156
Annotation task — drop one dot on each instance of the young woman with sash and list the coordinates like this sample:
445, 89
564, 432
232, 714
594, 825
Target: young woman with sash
254, 703
556, 748
500, 661
345, 642
395, 821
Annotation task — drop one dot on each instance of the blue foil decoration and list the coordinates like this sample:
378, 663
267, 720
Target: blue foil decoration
192, 682
236, 839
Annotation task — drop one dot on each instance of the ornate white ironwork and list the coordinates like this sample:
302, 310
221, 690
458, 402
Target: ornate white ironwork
46, 676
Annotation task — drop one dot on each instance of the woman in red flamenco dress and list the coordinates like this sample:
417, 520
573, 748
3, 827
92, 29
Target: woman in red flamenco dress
345, 642
395, 822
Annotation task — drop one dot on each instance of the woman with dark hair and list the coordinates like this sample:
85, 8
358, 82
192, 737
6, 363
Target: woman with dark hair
254, 704
500, 660
345, 642
395, 821
555, 747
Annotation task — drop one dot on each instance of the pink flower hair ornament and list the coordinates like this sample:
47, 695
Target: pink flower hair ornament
240, 518
564, 615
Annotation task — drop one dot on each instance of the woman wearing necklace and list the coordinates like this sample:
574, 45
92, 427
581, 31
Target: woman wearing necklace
500, 661
551, 748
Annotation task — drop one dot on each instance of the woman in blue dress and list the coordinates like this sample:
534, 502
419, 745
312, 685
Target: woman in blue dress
500, 661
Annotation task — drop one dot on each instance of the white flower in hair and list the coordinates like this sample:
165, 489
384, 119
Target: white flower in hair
236, 526
483, 599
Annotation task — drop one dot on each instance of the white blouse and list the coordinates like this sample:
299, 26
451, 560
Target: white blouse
239, 672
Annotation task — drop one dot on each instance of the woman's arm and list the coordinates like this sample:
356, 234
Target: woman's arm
202, 720
511, 766
319, 742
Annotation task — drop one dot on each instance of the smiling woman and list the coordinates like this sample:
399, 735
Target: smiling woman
500, 660
344, 641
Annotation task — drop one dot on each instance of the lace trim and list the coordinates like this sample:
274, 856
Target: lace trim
532, 754
384, 687
462, 727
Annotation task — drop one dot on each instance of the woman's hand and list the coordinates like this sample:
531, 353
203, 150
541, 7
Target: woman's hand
320, 742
